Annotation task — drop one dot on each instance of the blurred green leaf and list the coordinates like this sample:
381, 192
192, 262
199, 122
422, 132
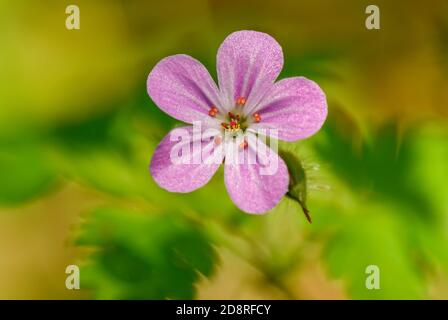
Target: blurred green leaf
378, 167
370, 232
105, 152
316, 63
430, 154
374, 238
144, 257
24, 171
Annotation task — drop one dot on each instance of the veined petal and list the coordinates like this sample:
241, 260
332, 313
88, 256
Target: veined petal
185, 160
296, 107
182, 87
258, 180
248, 63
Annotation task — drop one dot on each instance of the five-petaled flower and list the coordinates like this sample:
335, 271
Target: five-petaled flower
248, 99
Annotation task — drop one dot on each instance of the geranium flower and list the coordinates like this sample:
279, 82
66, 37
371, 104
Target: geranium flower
248, 99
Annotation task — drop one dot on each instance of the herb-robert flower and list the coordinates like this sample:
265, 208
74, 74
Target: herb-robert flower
247, 100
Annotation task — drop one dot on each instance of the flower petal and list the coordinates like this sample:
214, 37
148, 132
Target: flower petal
184, 160
182, 87
296, 107
256, 186
248, 63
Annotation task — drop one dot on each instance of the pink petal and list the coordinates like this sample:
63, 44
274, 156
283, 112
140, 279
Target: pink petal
248, 63
182, 87
249, 189
180, 177
296, 107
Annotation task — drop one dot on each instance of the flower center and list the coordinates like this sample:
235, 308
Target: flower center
235, 121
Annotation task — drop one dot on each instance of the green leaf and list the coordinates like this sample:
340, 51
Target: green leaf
144, 257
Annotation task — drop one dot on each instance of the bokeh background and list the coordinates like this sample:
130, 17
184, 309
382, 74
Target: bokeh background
77, 131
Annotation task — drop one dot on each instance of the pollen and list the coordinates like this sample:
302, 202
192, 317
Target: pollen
241, 101
213, 111
257, 117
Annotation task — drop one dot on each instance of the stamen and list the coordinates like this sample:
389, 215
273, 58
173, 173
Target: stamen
213, 111
241, 101
257, 117
224, 125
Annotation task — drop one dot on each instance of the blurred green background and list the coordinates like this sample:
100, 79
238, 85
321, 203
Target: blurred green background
77, 131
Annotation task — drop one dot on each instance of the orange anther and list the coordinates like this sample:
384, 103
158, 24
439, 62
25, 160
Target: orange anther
257, 117
241, 101
213, 111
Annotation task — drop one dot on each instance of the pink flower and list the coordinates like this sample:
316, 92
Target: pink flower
248, 99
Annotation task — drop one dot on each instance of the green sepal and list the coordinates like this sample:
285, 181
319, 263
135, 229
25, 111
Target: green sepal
297, 189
